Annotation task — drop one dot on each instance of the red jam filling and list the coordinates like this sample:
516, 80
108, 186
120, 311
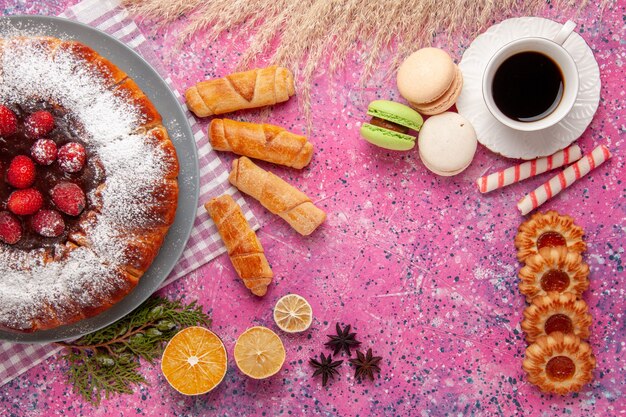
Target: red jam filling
559, 323
555, 280
560, 368
550, 240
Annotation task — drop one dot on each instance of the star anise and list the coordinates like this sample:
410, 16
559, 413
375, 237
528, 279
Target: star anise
366, 364
325, 367
344, 340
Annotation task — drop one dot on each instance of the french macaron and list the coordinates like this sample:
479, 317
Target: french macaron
430, 81
447, 144
390, 125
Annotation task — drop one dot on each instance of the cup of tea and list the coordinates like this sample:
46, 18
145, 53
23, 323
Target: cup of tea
532, 83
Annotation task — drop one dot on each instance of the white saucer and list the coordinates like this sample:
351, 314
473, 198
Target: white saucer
502, 139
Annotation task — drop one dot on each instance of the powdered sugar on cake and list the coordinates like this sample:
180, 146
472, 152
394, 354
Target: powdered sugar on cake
133, 169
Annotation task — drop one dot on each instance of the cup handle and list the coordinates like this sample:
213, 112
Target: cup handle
564, 33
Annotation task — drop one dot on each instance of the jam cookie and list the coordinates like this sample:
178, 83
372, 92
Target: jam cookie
554, 269
556, 313
549, 229
559, 363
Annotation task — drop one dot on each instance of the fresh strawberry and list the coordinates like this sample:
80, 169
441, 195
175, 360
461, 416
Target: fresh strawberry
10, 228
39, 124
25, 202
8, 121
72, 157
69, 198
48, 223
21, 172
44, 151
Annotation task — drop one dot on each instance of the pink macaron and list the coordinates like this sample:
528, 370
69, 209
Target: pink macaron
430, 81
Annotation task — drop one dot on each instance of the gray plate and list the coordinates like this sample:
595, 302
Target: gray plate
180, 132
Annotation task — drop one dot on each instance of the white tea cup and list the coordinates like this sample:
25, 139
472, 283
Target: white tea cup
553, 49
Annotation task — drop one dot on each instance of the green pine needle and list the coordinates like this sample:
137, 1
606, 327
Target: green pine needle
106, 361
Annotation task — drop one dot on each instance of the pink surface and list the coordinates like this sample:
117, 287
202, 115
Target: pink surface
423, 267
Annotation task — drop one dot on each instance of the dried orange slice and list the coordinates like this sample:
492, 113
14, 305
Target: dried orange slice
293, 313
194, 361
259, 352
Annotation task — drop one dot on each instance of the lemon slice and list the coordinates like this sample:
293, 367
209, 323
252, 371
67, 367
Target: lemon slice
259, 352
293, 313
194, 361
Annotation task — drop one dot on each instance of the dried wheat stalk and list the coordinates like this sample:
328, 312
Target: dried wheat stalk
306, 30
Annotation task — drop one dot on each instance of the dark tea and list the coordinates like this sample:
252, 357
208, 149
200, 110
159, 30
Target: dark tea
528, 86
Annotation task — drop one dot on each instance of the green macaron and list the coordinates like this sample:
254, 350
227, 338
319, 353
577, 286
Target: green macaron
390, 124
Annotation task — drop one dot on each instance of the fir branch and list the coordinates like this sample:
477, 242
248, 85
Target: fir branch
106, 361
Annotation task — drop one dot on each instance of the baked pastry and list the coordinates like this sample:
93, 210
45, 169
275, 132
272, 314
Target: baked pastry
548, 229
554, 269
261, 141
241, 90
98, 209
559, 363
276, 195
244, 248
556, 312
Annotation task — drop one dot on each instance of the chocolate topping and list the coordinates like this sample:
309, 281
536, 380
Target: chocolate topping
386, 124
67, 129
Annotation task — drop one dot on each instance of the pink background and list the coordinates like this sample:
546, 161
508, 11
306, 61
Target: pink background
422, 266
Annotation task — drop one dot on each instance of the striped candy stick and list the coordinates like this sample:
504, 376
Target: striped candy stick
528, 169
565, 178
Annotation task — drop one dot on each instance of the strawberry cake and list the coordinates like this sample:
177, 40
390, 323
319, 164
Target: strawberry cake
88, 183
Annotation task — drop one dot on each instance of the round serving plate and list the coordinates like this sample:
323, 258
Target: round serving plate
176, 123
502, 139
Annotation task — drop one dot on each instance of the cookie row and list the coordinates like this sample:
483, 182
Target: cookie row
557, 320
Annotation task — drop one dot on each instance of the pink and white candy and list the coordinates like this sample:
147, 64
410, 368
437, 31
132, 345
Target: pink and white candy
565, 178
528, 169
